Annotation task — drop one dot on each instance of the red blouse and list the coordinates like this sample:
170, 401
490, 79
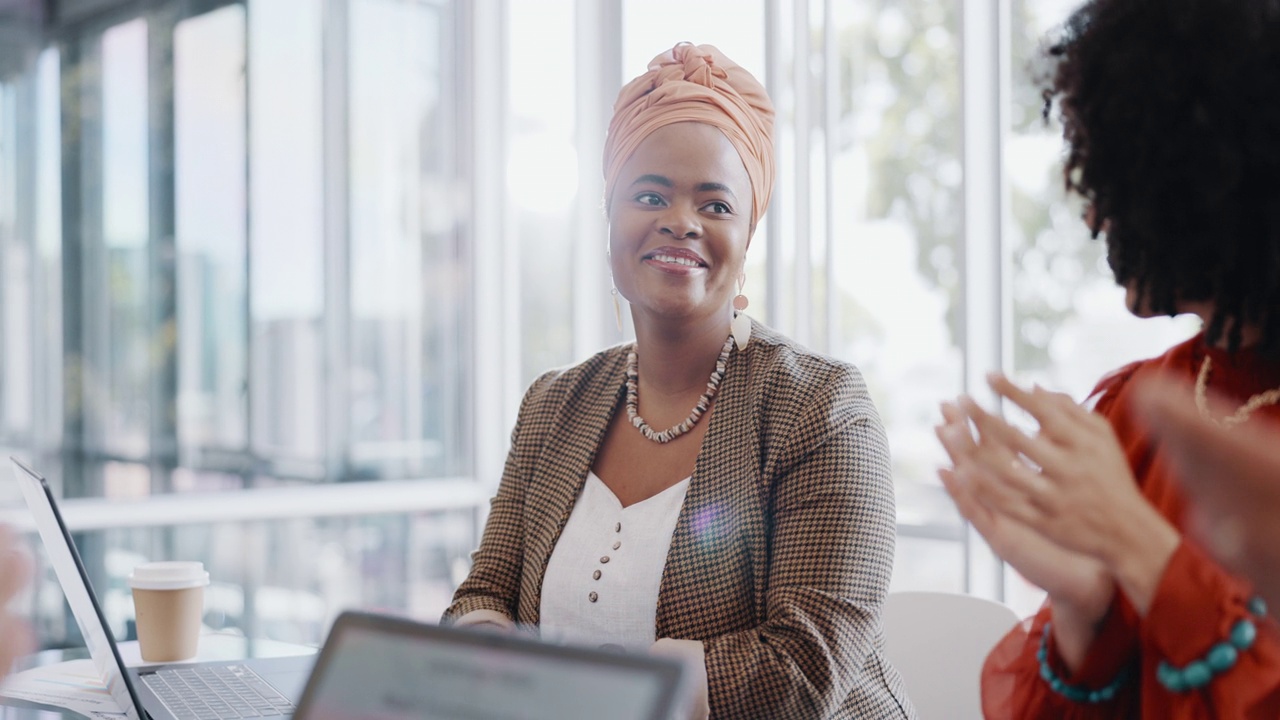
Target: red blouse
1195, 605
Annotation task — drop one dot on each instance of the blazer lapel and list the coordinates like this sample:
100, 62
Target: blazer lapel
722, 514
561, 469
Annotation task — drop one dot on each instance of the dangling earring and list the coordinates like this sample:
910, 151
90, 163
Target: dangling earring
617, 308
741, 325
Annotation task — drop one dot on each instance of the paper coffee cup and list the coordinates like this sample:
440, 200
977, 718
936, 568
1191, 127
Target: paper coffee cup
168, 602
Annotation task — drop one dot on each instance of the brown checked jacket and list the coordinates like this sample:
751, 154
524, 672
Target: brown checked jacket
781, 555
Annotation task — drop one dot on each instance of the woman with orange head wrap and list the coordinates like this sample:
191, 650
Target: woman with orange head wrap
712, 491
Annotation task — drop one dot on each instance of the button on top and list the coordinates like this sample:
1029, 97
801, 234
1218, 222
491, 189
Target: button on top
593, 596
595, 575
617, 545
617, 527
604, 559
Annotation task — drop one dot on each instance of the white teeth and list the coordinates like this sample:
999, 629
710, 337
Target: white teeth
676, 260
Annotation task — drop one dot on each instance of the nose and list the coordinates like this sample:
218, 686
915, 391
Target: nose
681, 223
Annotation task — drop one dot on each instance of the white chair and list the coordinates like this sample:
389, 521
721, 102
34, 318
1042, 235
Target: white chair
938, 642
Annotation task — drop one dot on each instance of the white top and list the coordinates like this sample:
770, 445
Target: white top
602, 581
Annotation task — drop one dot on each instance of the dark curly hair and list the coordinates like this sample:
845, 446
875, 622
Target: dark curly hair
1171, 114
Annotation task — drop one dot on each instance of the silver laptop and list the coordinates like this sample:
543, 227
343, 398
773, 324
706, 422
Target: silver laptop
376, 666
263, 688
371, 666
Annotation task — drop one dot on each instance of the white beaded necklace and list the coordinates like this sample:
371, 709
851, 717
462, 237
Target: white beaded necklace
704, 402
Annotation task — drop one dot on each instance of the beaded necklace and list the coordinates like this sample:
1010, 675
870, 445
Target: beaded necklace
704, 402
1242, 413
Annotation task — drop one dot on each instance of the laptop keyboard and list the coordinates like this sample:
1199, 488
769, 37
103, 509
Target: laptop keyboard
216, 692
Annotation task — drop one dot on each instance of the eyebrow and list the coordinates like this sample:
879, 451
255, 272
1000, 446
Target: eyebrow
666, 182
716, 187
653, 180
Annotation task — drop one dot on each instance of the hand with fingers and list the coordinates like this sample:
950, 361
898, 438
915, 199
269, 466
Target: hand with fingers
1082, 495
1079, 586
15, 572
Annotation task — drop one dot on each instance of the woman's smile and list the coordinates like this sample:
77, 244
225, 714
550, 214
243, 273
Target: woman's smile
676, 261
676, 226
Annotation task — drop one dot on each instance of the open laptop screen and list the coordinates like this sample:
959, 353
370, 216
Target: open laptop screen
75, 584
379, 668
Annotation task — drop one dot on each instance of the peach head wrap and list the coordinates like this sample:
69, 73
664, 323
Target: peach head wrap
696, 84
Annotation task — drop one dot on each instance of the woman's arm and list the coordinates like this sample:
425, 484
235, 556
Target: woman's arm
1232, 475
831, 556
493, 583
1181, 605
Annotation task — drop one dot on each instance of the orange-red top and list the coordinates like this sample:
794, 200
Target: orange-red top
1195, 606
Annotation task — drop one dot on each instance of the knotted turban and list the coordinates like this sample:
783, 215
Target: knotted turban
691, 83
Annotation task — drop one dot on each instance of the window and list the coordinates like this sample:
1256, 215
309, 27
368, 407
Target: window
315, 250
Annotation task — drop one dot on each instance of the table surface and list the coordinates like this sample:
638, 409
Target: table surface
215, 646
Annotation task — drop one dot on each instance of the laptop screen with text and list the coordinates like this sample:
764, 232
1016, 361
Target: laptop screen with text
376, 668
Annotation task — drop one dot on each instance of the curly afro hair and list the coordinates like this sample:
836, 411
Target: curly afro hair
1171, 114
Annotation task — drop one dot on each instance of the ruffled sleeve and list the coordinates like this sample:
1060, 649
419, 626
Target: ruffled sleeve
1013, 688
1196, 605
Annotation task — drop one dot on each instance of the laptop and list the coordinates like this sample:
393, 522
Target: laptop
389, 668
260, 688
371, 666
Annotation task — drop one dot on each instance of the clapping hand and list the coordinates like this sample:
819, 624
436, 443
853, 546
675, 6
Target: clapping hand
1060, 505
1078, 586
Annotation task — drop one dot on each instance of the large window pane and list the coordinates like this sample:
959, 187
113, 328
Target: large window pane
542, 179
409, 308
114, 384
15, 274
896, 221
286, 231
209, 137
47, 378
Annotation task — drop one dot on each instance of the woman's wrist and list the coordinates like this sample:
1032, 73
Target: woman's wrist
1139, 555
1074, 630
692, 653
485, 618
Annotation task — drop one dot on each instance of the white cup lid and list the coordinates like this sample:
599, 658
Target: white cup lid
168, 576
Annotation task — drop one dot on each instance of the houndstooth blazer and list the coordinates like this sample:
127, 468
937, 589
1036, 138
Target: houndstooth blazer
781, 556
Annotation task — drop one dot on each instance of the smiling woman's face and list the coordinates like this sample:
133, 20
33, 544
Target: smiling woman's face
679, 223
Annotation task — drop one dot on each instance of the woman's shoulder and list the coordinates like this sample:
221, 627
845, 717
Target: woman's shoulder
1106, 395
568, 380
781, 368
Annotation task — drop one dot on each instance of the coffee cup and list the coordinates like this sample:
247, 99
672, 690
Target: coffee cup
168, 602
